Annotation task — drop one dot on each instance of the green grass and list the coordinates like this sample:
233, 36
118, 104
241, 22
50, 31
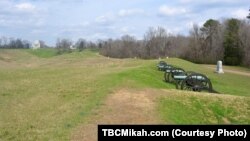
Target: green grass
44, 96
203, 109
43, 52
45, 103
237, 68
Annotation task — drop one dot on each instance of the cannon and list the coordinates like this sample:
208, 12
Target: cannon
197, 82
161, 65
168, 69
189, 80
175, 75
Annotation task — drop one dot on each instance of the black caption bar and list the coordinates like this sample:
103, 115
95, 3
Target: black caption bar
173, 132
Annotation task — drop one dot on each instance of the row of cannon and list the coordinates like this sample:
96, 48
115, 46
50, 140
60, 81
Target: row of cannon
185, 80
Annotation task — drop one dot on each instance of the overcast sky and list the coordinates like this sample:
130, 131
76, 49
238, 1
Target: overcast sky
101, 19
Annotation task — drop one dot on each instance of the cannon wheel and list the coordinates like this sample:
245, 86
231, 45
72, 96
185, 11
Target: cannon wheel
197, 82
166, 74
178, 83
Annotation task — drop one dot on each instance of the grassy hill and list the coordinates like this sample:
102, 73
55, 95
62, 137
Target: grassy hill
44, 96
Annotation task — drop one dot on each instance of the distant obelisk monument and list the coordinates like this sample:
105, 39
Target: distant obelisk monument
219, 67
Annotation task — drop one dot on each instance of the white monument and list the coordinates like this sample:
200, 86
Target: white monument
219, 67
36, 44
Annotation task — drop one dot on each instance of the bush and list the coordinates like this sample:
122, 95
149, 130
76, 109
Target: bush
232, 61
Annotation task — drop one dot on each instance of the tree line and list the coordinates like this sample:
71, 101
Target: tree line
12, 43
228, 40
67, 45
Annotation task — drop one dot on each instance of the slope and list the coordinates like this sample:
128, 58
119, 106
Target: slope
50, 98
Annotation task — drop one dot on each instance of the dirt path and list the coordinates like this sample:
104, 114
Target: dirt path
122, 107
230, 70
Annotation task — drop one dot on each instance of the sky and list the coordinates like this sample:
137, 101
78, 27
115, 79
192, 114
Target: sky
49, 20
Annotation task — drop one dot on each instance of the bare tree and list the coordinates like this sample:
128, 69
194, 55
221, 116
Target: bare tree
4, 42
212, 42
63, 45
42, 44
128, 46
194, 52
81, 44
248, 16
156, 43
244, 34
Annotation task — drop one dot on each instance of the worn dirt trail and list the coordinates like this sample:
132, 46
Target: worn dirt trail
122, 107
230, 70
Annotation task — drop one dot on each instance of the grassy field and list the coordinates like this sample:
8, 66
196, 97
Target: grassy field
44, 96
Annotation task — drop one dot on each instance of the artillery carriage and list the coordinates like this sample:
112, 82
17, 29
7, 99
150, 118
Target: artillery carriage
185, 80
162, 66
188, 80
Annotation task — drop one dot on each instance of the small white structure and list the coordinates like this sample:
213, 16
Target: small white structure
219, 67
72, 47
36, 44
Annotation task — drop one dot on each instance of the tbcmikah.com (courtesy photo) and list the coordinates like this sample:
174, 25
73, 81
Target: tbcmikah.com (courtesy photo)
173, 132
